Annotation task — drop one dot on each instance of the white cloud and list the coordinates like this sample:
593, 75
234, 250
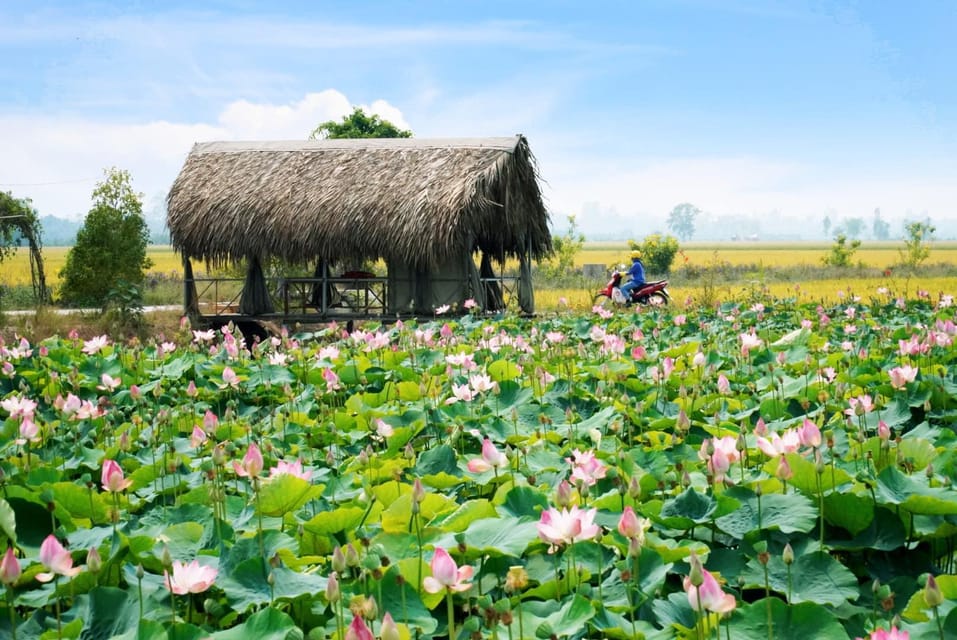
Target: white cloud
56, 161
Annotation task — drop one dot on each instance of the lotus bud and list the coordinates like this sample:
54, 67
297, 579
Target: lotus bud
696, 575
932, 594
93, 560
140, 572
333, 594
418, 491
389, 630
338, 560
683, 422
125, 441
784, 472
788, 554
166, 559
634, 488
563, 495
352, 556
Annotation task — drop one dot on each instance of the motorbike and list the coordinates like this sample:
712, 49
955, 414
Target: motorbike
651, 293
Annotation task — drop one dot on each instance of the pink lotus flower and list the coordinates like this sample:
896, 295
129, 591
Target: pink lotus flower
567, 526
108, 383
491, 458
884, 634
442, 309
112, 477
290, 469
712, 598
94, 345
446, 575
57, 559
190, 578
358, 630
789, 442
900, 376
460, 392
331, 378
859, 405
724, 386
29, 432
586, 468
809, 434
631, 526
198, 437
230, 379
252, 464
9, 567
749, 341
18, 407
481, 383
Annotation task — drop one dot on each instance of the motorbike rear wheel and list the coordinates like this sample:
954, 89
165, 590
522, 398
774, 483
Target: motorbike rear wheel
603, 301
658, 299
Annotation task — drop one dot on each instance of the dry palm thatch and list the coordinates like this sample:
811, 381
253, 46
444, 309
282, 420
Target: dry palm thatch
413, 201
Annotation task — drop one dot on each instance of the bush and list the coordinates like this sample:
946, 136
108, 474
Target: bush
841, 253
111, 245
916, 250
657, 252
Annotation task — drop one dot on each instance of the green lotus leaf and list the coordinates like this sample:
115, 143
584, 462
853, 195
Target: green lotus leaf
794, 622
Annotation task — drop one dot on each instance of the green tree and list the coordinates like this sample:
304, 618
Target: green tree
681, 220
916, 248
841, 252
854, 227
358, 124
110, 249
567, 247
880, 227
657, 252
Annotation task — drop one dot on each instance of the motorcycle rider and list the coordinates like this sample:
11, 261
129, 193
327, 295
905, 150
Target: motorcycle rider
637, 273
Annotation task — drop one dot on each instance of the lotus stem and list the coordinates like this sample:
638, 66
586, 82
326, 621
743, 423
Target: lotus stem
13, 613
450, 610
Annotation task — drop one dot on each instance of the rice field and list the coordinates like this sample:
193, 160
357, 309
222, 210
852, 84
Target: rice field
15, 271
769, 254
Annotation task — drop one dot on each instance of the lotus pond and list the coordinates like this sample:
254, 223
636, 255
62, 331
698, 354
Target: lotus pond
749, 472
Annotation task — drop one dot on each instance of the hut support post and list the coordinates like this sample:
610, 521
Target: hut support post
190, 301
526, 294
255, 297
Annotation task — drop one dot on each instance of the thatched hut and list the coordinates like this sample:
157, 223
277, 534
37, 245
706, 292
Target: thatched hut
427, 208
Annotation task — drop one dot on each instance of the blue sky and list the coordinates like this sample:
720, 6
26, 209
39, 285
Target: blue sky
780, 111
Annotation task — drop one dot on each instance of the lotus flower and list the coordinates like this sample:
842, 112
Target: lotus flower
230, 379
712, 598
94, 345
900, 376
586, 468
567, 526
290, 469
809, 434
190, 578
358, 630
884, 634
57, 559
9, 567
446, 575
112, 477
389, 630
252, 464
631, 526
18, 407
491, 458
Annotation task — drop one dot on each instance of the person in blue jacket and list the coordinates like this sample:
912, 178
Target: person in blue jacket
637, 274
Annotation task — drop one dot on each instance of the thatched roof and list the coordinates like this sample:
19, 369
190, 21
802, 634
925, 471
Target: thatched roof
417, 201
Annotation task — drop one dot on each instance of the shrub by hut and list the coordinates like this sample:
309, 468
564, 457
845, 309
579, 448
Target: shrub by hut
428, 208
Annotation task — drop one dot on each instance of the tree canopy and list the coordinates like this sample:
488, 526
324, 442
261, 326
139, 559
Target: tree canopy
681, 220
111, 246
359, 124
